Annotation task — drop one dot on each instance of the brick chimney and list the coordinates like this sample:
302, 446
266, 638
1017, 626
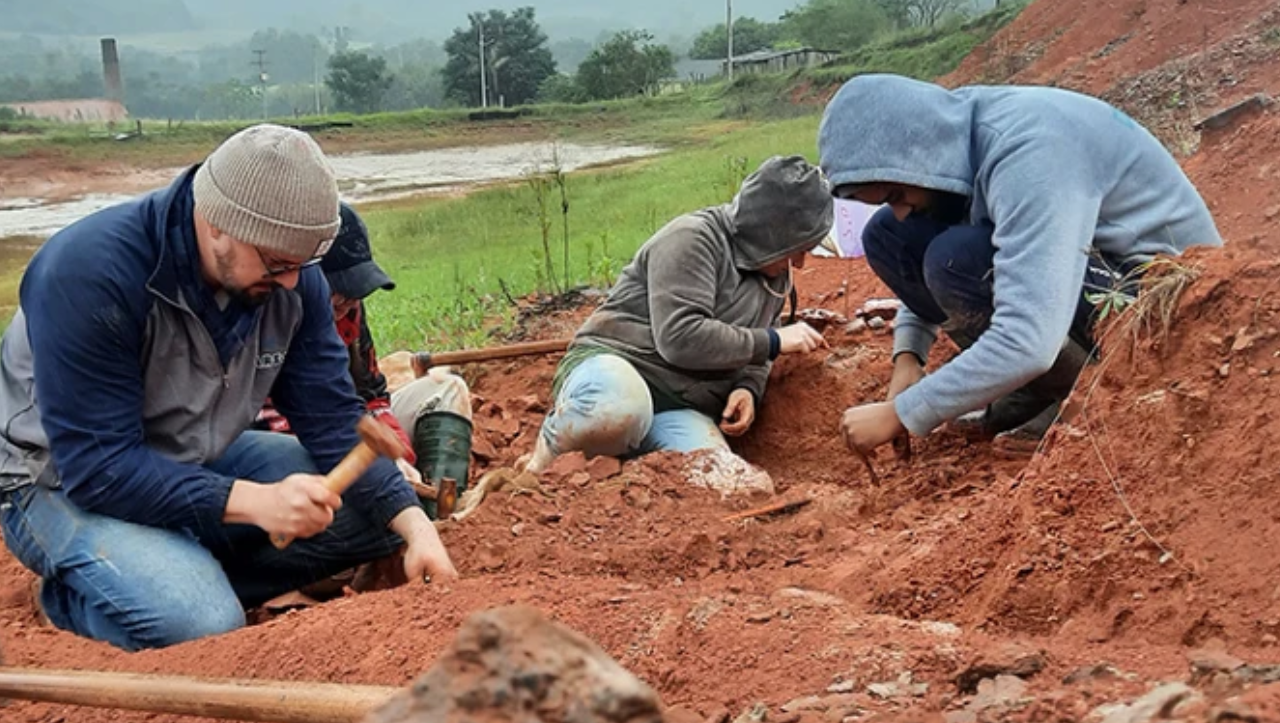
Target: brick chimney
111, 70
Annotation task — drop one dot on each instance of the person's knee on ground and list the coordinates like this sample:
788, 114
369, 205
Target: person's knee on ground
129, 585
684, 430
194, 623
604, 408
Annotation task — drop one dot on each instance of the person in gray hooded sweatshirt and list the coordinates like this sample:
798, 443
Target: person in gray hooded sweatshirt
1008, 210
687, 336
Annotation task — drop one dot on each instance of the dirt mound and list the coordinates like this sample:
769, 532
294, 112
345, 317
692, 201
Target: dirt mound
1168, 63
829, 612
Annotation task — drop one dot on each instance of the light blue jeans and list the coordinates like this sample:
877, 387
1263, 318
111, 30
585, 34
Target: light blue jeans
138, 587
604, 408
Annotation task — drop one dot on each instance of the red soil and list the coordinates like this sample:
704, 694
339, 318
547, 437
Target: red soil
1141, 533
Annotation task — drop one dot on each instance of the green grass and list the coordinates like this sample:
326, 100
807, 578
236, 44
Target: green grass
920, 53
925, 53
14, 254
451, 258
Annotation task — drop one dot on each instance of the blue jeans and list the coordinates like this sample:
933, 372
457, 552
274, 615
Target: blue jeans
138, 587
944, 274
604, 408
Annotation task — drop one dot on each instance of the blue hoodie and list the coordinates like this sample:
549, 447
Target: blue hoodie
1058, 174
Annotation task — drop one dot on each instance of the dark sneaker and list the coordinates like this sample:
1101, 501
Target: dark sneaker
1024, 441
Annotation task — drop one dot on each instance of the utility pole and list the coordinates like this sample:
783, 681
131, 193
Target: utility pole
728, 24
315, 70
484, 84
261, 63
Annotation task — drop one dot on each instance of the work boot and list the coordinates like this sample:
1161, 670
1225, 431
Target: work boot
1030, 410
1022, 441
442, 443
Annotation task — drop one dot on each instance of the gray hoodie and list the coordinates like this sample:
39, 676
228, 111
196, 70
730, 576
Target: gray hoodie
691, 310
1058, 174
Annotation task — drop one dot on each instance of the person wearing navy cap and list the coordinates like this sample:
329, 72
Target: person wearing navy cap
433, 413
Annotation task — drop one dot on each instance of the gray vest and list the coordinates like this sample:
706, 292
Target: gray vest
193, 408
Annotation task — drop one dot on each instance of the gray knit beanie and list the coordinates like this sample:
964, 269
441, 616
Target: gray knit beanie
271, 187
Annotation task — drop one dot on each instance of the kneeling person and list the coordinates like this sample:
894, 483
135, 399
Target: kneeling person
434, 409
148, 336
680, 352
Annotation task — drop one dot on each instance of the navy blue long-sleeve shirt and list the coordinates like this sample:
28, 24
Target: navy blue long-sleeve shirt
88, 310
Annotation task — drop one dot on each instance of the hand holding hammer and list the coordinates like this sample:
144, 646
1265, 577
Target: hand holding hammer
375, 440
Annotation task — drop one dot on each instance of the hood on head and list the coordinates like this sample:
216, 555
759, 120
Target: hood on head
890, 129
785, 206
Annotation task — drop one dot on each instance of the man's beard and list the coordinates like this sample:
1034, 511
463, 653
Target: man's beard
252, 296
951, 209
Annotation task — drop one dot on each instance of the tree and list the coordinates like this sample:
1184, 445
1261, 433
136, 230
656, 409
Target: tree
516, 58
561, 88
927, 13
358, 81
630, 63
749, 35
232, 99
414, 86
920, 13
835, 24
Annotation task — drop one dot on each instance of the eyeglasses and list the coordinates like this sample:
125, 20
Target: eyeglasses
282, 269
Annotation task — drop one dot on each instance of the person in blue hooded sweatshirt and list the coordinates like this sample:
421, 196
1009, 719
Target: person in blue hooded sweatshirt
1007, 209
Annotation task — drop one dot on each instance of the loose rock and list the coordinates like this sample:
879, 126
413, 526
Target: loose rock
1157, 704
1011, 660
602, 468
510, 661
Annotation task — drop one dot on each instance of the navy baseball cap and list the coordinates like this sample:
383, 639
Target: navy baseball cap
349, 264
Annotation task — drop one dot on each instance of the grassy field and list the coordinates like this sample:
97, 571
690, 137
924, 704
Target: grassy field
452, 258
14, 252
455, 260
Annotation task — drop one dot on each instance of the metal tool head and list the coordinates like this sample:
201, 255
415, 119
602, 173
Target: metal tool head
381, 438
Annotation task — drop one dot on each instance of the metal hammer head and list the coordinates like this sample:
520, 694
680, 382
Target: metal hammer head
381, 438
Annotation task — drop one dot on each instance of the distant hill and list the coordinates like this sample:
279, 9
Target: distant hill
91, 17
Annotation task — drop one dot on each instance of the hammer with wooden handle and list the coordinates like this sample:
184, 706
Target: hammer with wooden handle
424, 360
376, 440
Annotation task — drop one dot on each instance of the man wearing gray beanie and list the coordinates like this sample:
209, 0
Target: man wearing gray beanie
148, 336
679, 353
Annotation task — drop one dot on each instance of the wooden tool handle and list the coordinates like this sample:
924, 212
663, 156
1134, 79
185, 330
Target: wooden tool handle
425, 360
339, 479
244, 700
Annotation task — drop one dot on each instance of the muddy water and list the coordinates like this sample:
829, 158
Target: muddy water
362, 177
